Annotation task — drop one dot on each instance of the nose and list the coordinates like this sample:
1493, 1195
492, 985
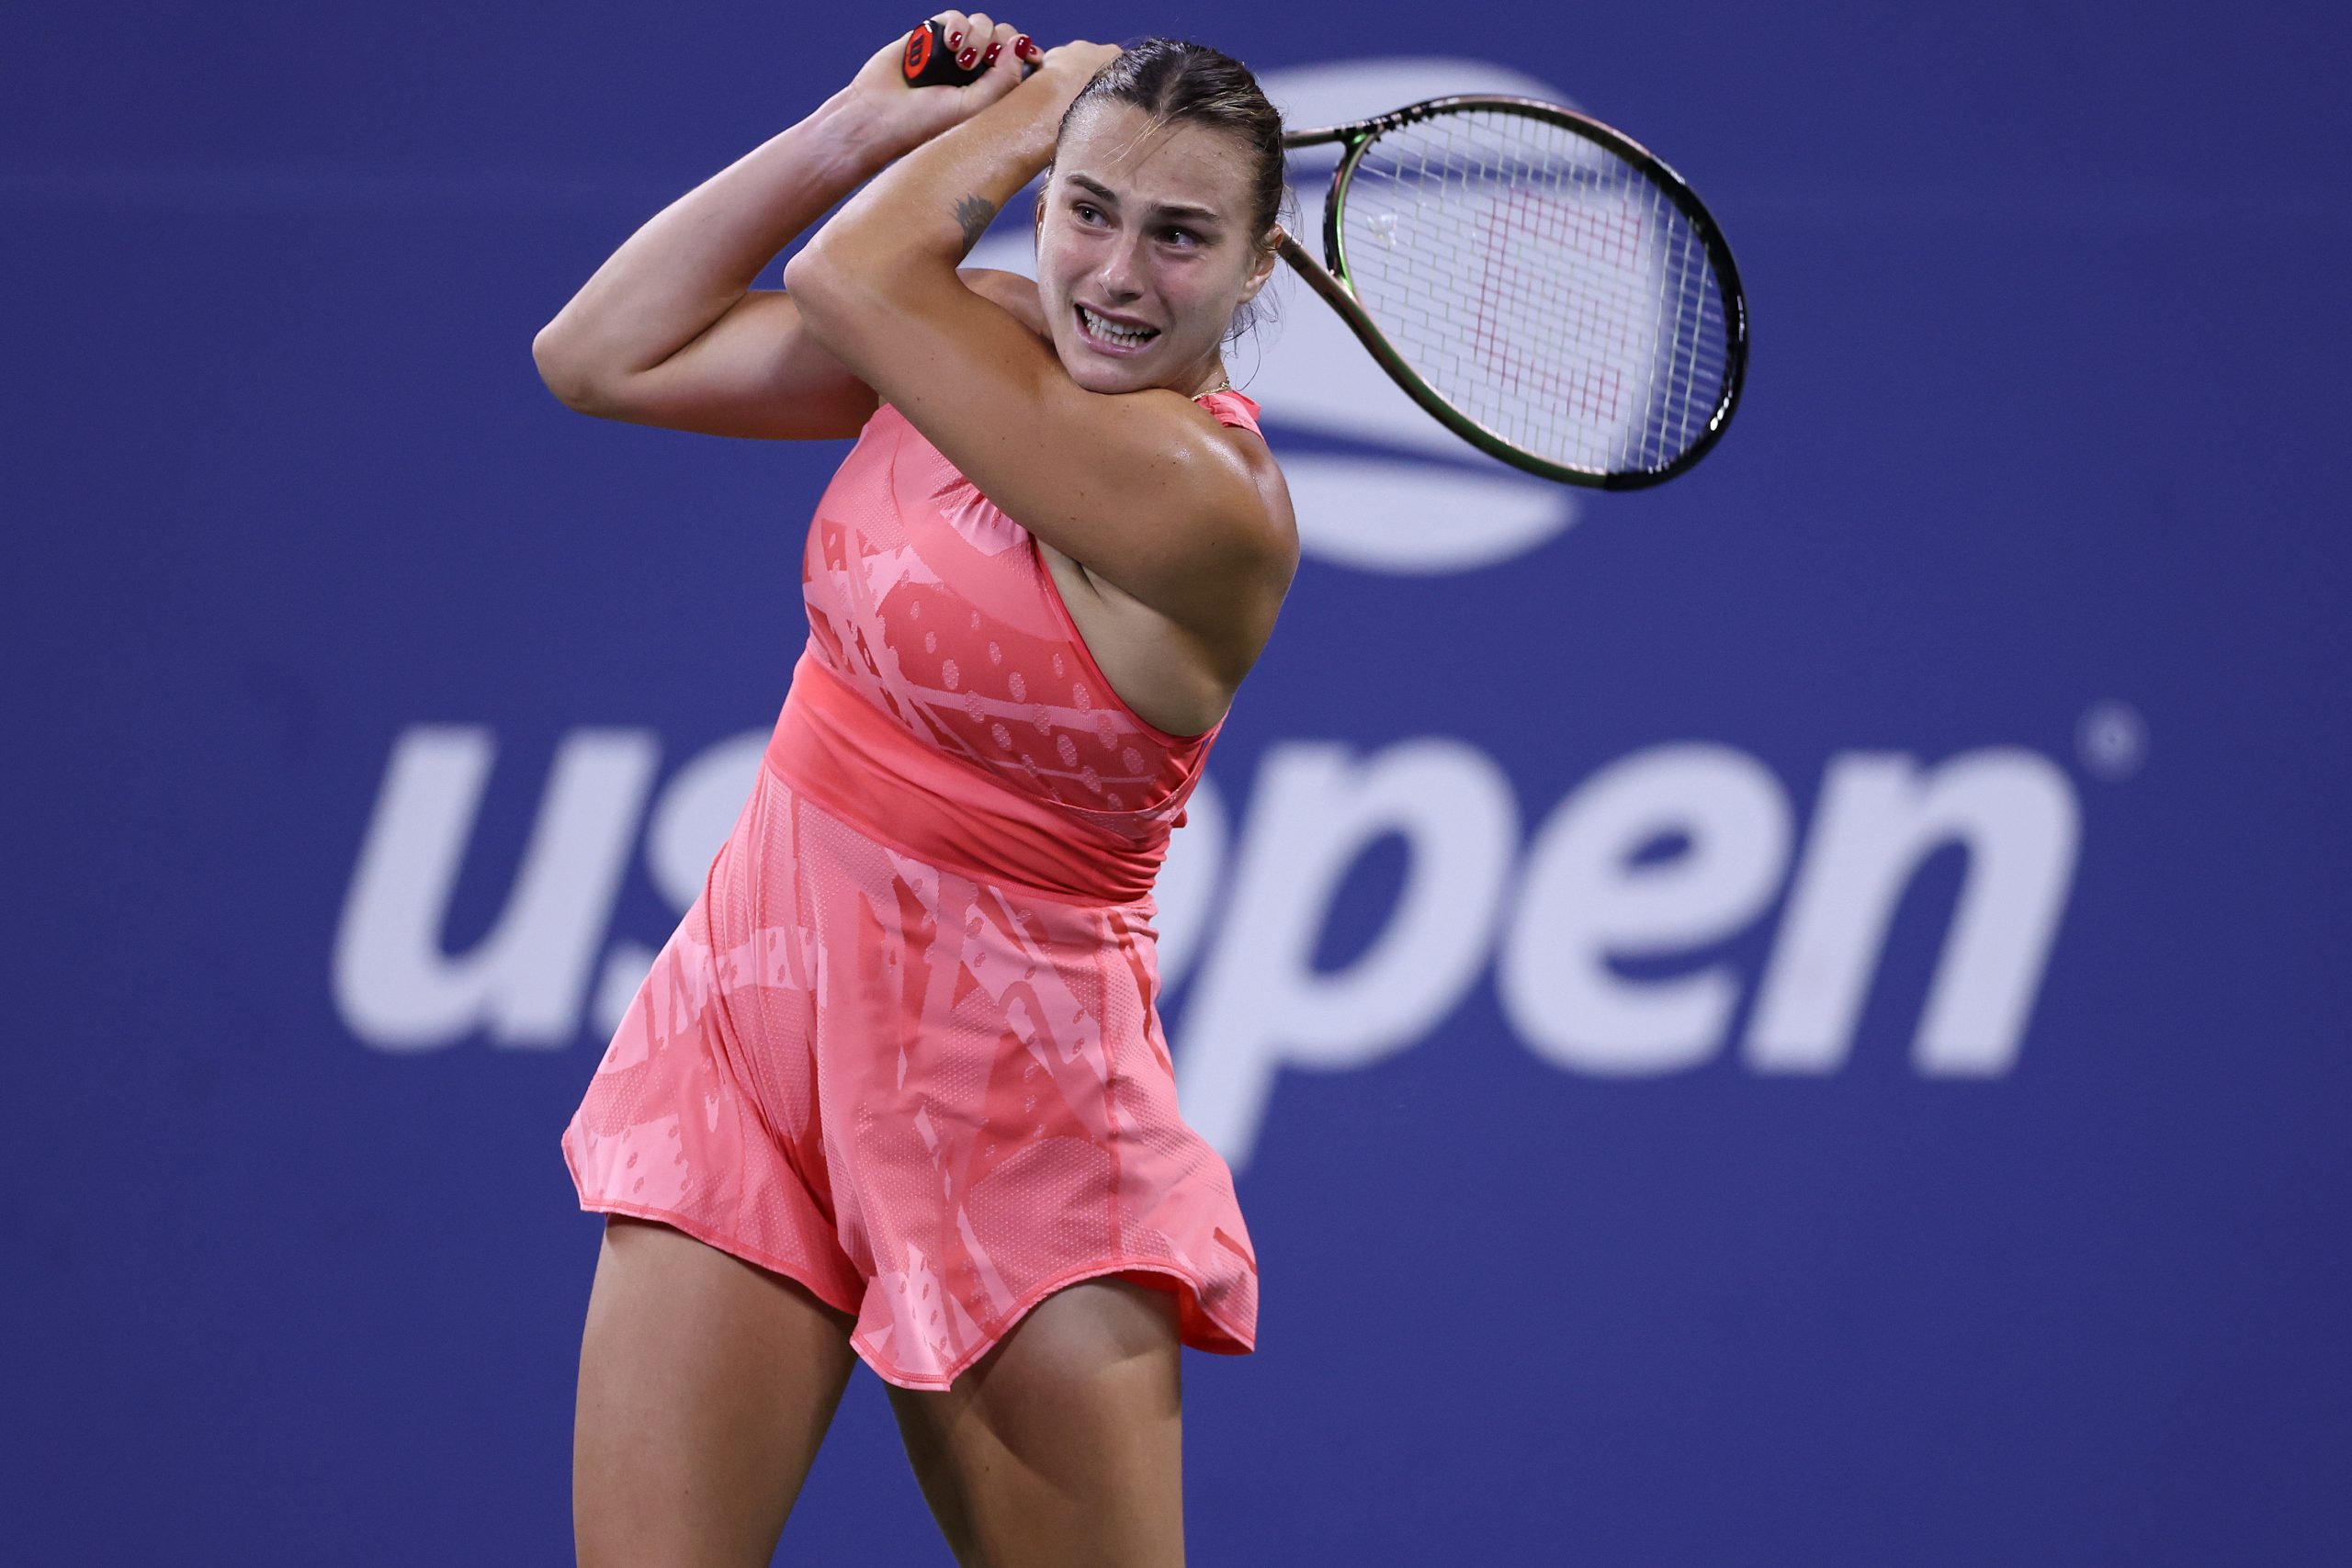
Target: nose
1122, 272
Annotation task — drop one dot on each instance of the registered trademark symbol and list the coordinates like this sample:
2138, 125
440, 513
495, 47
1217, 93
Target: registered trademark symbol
2112, 740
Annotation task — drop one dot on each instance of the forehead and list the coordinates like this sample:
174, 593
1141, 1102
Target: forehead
1184, 163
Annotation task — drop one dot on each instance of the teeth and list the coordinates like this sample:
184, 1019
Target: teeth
1110, 333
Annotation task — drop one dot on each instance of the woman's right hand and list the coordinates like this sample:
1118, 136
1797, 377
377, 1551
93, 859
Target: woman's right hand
1077, 60
905, 117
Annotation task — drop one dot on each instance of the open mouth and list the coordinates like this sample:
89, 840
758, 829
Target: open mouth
1107, 334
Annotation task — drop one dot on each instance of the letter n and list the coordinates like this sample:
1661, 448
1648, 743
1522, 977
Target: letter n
1880, 817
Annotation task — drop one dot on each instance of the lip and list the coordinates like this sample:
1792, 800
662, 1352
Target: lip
1116, 350
1112, 316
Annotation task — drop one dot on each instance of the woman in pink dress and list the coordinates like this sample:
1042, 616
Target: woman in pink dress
896, 1088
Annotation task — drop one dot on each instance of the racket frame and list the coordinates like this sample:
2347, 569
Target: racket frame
1330, 279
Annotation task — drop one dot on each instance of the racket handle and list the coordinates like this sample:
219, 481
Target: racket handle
929, 62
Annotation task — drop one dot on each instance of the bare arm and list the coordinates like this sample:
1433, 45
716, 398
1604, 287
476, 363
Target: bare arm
1145, 488
670, 332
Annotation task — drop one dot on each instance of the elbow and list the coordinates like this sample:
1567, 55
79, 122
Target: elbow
836, 291
561, 371
817, 283
803, 271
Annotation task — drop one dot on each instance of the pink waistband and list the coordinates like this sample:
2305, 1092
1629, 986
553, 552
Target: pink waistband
858, 763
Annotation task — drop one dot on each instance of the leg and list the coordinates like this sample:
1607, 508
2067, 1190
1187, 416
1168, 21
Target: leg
705, 1385
1062, 1446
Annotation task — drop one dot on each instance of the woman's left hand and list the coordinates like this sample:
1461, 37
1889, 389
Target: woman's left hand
905, 117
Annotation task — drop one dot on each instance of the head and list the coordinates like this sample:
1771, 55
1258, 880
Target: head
1160, 213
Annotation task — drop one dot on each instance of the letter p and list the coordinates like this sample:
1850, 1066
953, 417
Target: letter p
1260, 1003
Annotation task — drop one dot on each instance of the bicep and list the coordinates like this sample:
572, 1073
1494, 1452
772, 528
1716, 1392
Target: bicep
757, 371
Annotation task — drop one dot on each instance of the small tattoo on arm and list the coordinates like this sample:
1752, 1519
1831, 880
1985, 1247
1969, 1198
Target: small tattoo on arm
976, 216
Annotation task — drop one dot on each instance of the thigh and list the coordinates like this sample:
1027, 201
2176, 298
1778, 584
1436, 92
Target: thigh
1062, 1445
706, 1384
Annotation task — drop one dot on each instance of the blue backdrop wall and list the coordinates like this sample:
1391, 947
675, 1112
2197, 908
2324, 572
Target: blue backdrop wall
1795, 1018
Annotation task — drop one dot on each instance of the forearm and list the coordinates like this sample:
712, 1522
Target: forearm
700, 255
912, 226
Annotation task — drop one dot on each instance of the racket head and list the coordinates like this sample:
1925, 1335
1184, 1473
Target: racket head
1543, 284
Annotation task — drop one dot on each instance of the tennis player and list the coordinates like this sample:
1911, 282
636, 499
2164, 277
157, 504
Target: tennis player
895, 1087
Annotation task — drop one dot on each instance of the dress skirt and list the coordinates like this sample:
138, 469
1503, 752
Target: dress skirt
930, 1097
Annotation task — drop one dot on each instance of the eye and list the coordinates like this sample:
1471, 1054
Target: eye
1085, 211
1181, 236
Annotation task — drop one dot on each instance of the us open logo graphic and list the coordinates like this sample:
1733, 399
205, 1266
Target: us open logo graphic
1544, 900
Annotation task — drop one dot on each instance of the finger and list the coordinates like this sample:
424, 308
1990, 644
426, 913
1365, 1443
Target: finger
1003, 70
979, 27
999, 45
955, 26
956, 36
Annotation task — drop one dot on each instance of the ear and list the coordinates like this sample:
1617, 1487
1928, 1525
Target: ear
1264, 268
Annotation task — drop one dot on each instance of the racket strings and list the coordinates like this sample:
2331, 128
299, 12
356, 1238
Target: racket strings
1542, 284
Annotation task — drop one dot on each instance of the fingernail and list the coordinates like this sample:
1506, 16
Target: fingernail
955, 40
991, 56
1023, 46
965, 59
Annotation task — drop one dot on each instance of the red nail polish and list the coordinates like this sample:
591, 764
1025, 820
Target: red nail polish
992, 55
1023, 46
965, 59
955, 40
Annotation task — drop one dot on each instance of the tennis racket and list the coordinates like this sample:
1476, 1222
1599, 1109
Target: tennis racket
1544, 286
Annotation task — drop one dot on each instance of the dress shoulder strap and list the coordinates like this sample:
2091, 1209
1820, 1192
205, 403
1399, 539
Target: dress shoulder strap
1231, 407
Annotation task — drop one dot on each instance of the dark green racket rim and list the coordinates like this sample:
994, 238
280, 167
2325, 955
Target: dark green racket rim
1358, 138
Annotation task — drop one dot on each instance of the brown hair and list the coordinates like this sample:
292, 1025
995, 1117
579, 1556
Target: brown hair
1170, 80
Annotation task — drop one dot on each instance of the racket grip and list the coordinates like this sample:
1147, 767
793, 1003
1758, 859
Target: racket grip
929, 62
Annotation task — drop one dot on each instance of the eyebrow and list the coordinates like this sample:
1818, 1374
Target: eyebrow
1159, 208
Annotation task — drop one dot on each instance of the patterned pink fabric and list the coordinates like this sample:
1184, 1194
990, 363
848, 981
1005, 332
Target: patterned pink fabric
926, 598
904, 1047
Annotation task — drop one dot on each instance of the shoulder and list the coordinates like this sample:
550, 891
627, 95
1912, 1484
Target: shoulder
1010, 291
1257, 516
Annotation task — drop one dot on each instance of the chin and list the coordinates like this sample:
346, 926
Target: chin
1096, 374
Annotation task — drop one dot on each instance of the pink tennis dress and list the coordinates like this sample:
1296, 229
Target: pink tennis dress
904, 1047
